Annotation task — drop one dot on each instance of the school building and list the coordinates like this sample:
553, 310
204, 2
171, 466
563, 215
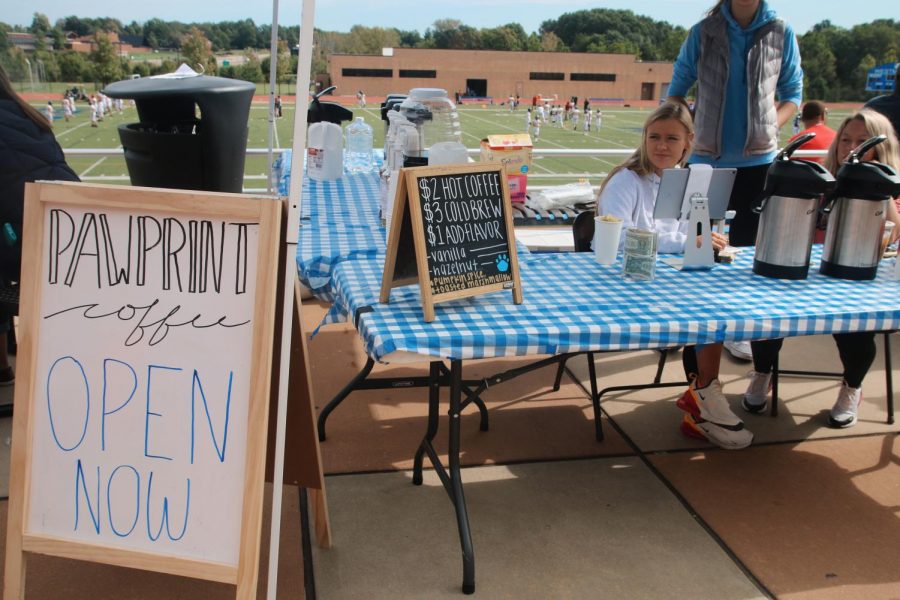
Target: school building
496, 74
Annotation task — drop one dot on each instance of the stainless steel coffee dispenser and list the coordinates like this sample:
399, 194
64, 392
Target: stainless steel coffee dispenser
857, 215
788, 213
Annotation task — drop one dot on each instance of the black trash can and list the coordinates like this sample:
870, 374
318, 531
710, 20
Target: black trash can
192, 132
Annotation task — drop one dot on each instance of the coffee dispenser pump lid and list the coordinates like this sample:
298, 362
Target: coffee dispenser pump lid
867, 180
797, 178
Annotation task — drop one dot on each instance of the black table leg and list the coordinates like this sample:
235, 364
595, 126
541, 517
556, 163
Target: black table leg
345, 391
456, 488
595, 398
888, 377
434, 394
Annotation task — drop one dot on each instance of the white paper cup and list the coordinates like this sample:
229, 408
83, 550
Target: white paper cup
606, 240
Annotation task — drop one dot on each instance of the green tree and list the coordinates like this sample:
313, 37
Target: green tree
819, 66
140, 67
606, 30
107, 66
4, 39
14, 63
370, 40
196, 51
40, 27
505, 37
76, 25
251, 70
550, 42
451, 34
409, 39
166, 66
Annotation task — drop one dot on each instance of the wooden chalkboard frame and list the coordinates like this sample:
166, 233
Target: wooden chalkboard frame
19, 543
407, 227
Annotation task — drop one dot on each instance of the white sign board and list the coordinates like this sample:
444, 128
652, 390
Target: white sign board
145, 404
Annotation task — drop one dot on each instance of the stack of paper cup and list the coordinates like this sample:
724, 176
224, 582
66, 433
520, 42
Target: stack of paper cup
606, 239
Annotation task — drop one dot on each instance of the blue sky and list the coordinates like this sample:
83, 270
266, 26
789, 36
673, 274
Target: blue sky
340, 15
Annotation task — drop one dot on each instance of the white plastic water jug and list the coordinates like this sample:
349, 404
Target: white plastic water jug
325, 159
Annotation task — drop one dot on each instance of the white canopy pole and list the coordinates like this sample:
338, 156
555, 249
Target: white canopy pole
304, 66
304, 70
273, 71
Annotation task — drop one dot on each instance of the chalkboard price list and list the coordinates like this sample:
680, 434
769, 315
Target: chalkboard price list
465, 231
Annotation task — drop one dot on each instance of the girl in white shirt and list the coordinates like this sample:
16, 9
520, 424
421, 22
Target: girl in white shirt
629, 191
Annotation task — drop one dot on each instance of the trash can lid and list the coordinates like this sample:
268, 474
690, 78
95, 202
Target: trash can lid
147, 88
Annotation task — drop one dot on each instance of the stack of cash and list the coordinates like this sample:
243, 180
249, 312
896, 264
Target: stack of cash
639, 254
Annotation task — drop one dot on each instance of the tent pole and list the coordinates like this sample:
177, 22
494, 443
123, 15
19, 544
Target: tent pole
273, 70
304, 66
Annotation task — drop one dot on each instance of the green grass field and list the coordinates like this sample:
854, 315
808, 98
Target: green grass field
620, 129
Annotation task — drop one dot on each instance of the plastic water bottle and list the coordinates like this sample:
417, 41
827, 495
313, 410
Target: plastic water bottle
359, 139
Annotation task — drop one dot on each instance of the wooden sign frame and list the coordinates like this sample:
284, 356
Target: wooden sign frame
20, 542
407, 221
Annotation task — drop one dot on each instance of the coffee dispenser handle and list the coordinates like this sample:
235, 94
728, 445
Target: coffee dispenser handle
786, 152
761, 206
860, 150
827, 205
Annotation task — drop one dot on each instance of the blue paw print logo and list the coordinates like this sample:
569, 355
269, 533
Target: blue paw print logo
503, 263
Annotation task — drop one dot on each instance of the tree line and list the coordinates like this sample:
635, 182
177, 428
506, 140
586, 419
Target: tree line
835, 59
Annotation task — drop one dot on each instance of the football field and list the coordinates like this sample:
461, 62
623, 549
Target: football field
620, 129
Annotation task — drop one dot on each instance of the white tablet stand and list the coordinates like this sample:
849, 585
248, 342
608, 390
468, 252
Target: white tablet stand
698, 257
695, 210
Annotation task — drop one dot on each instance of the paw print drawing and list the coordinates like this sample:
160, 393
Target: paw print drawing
503, 263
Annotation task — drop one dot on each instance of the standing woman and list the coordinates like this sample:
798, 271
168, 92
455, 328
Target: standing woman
746, 64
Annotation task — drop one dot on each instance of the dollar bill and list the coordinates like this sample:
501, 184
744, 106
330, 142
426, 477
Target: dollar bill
639, 267
640, 242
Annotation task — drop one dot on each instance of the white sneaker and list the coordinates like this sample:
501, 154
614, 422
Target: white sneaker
757, 395
710, 418
740, 350
843, 413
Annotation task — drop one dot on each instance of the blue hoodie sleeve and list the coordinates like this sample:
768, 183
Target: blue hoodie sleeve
684, 73
790, 80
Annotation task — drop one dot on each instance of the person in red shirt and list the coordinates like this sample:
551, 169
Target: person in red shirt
813, 116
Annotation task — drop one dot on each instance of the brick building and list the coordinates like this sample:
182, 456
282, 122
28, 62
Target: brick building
497, 74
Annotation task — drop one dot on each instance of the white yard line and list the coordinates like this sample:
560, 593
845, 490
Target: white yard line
71, 129
91, 168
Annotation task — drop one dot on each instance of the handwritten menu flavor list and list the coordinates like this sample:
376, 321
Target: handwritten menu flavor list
143, 373
465, 232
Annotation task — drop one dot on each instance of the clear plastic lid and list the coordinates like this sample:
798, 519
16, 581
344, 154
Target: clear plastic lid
433, 114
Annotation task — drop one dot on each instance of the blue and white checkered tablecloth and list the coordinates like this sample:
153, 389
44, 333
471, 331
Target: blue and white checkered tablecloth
573, 304
339, 221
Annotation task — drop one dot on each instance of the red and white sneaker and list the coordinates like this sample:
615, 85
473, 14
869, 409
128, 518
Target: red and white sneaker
709, 417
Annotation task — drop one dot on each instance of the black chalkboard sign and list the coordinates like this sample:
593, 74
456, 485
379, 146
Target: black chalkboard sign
452, 233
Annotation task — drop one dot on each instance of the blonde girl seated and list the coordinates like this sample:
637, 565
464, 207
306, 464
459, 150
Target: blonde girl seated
629, 191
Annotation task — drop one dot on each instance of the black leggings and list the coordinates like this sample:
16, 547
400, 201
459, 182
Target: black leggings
857, 351
746, 194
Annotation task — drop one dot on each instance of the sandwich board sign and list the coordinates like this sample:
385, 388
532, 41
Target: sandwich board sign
452, 233
141, 401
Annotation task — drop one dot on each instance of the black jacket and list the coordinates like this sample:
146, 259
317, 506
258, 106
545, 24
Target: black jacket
27, 153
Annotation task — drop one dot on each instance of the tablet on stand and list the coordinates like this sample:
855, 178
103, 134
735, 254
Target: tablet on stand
699, 195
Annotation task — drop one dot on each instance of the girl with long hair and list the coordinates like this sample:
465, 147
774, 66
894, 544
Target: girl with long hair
856, 350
